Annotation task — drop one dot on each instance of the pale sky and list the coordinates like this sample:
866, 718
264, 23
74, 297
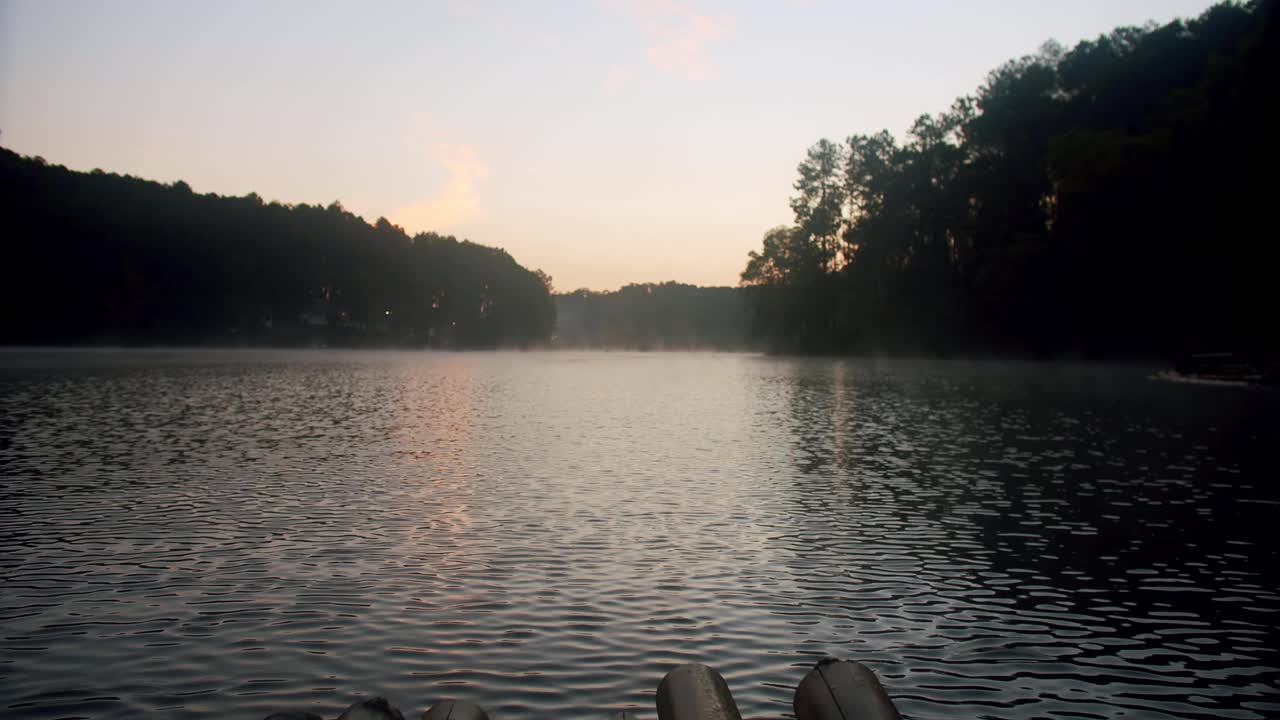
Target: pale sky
604, 141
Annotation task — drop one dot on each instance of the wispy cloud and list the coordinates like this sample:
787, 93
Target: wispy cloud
455, 202
678, 36
616, 77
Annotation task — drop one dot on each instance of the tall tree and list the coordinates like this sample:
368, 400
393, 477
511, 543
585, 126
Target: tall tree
1098, 200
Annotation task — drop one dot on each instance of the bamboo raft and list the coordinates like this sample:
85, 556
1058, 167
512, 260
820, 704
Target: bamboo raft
832, 690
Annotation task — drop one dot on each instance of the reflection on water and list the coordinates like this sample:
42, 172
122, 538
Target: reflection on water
226, 533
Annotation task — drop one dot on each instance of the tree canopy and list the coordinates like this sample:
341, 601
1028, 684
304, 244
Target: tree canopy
104, 258
1103, 200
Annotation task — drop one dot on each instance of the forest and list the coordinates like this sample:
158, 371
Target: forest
653, 316
1101, 201
99, 258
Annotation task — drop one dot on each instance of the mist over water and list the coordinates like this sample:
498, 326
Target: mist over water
224, 534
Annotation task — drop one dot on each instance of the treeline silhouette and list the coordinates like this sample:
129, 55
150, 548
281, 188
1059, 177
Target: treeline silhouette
104, 258
1111, 199
653, 316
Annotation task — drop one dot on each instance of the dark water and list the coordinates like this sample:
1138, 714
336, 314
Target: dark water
201, 535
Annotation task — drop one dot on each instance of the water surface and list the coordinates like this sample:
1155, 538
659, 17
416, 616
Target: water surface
220, 534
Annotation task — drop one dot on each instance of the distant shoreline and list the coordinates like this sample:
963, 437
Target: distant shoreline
1149, 361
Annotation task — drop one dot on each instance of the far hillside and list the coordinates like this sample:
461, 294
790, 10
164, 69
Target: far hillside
653, 316
99, 258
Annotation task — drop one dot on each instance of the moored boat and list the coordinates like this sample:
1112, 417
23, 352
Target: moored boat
1223, 368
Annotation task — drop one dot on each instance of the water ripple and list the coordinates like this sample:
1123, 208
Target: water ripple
227, 533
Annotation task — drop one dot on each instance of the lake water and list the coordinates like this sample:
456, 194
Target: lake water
222, 534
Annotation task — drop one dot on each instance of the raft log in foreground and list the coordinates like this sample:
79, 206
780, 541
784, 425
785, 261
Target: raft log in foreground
833, 690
